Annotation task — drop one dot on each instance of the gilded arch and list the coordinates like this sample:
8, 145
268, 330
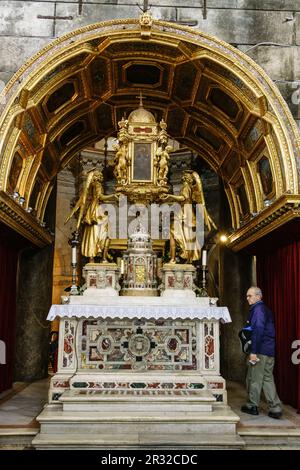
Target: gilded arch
215, 99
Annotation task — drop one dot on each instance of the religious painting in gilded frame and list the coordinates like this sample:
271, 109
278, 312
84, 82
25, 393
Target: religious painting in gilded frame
142, 162
266, 177
243, 200
15, 172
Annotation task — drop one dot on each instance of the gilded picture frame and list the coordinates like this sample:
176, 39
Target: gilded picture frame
265, 176
142, 162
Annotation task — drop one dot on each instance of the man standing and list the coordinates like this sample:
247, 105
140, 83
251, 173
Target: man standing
261, 360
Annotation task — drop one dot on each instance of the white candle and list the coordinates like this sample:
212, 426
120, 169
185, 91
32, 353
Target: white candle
122, 266
74, 255
204, 257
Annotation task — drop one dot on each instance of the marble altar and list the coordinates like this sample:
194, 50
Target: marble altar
136, 371
126, 334
138, 357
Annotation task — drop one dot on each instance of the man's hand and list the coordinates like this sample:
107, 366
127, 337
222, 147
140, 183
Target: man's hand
253, 357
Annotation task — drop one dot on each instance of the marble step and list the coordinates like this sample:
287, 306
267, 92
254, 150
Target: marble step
16, 438
54, 420
256, 438
138, 400
145, 440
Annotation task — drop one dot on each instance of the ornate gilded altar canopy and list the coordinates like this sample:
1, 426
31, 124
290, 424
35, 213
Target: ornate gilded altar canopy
214, 99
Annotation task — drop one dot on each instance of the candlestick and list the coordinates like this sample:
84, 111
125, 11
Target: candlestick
204, 258
202, 291
74, 254
74, 242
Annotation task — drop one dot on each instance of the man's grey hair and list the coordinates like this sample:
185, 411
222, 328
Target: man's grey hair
257, 290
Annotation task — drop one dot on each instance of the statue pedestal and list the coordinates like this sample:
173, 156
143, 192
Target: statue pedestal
178, 281
136, 371
102, 279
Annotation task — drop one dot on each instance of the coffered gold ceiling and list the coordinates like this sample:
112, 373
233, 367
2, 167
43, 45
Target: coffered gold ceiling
215, 100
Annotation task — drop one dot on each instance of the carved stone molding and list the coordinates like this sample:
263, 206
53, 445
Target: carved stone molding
279, 213
13, 215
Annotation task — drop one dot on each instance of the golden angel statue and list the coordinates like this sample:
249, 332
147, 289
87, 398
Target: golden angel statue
95, 240
121, 164
198, 198
183, 226
163, 163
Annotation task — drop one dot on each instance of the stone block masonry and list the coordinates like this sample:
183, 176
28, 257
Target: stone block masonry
267, 30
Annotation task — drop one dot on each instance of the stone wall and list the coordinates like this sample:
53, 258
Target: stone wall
267, 30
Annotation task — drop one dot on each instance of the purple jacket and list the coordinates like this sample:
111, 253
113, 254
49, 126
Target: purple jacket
263, 331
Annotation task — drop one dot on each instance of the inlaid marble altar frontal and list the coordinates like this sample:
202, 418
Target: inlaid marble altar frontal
155, 345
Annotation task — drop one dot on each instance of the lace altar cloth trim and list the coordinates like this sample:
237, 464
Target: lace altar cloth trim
141, 311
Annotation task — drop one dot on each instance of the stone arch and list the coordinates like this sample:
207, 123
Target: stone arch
215, 99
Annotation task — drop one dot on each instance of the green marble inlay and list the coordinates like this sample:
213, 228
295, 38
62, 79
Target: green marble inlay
196, 385
80, 385
219, 397
138, 385
56, 396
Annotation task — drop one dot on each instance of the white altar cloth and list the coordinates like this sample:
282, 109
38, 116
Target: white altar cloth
141, 307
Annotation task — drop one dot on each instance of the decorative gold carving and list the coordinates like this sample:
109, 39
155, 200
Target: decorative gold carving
283, 210
146, 22
249, 188
142, 157
26, 171
275, 159
8, 155
233, 204
45, 197
22, 91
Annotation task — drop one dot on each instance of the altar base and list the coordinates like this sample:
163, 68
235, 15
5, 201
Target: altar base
132, 375
140, 426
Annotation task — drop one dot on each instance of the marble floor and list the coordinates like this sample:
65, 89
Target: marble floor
237, 398
20, 406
